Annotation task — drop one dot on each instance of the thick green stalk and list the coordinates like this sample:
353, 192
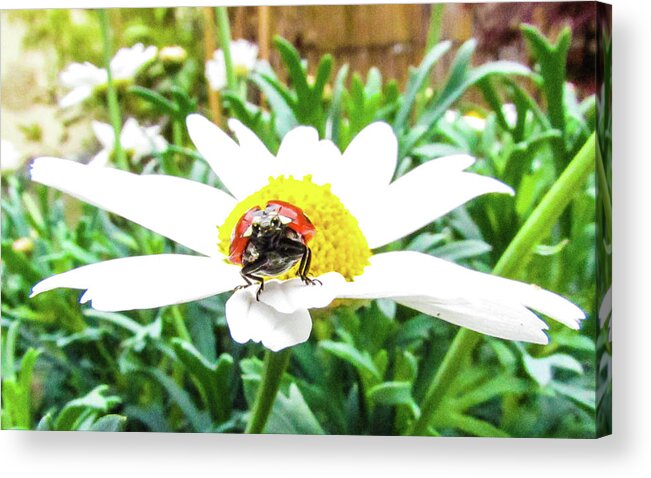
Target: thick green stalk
224, 33
514, 259
275, 364
112, 96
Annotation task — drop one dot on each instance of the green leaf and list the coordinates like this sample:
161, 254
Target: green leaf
582, 396
391, 393
162, 104
334, 113
540, 369
458, 250
109, 423
292, 61
459, 81
436, 150
199, 420
77, 411
546, 250
8, 351
282, 103
495, 387
213, 379
474, 426
362, 361
416, 84
45, 424
291, 415
322, 77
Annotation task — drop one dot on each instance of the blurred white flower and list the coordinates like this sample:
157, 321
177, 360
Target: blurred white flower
83, 78
245, 58
352, 202
10, 158
136, 140
478, 122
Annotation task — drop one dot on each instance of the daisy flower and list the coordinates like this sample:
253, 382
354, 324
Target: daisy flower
478, 122
82, 79
355, 208
136, 140
245, 59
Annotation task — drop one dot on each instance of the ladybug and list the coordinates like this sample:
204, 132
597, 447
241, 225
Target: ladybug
268, 242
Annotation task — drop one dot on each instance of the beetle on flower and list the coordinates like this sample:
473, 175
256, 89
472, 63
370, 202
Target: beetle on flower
314, 177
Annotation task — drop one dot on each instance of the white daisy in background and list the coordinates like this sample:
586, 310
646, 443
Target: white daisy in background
355, 208
83, 78
10, 158
245, 58
478, 122
136, 140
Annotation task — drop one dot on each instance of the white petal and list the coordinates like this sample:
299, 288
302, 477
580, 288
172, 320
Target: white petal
250, 144
372, 155
295, 151
421, 196
104, 134
491, 317
127, 61
240, 173
216, 74
249, 319
76, 96
244, 54
145, 282
185, 211
479, 301
291, 295
82, 74
101, 159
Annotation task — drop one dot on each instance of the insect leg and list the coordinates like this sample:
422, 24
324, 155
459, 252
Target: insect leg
248, 274
304, 267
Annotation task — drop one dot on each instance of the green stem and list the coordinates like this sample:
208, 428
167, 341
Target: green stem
540, 222
604, 193
112, 96
275, 364
179, 325
224, 33
514, 258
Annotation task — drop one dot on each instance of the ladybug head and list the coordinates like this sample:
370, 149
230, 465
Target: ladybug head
267, 222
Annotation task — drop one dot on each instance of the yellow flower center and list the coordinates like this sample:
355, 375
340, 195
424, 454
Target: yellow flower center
338, 244
241, 71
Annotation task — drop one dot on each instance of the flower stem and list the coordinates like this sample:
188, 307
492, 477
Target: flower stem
275, 364
112, 96
514, 258
179, 324
224, 33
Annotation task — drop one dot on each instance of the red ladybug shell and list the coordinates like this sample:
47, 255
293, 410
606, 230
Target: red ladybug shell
238, 241
299, 224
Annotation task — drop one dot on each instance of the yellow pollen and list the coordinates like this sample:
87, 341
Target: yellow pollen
338, 244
